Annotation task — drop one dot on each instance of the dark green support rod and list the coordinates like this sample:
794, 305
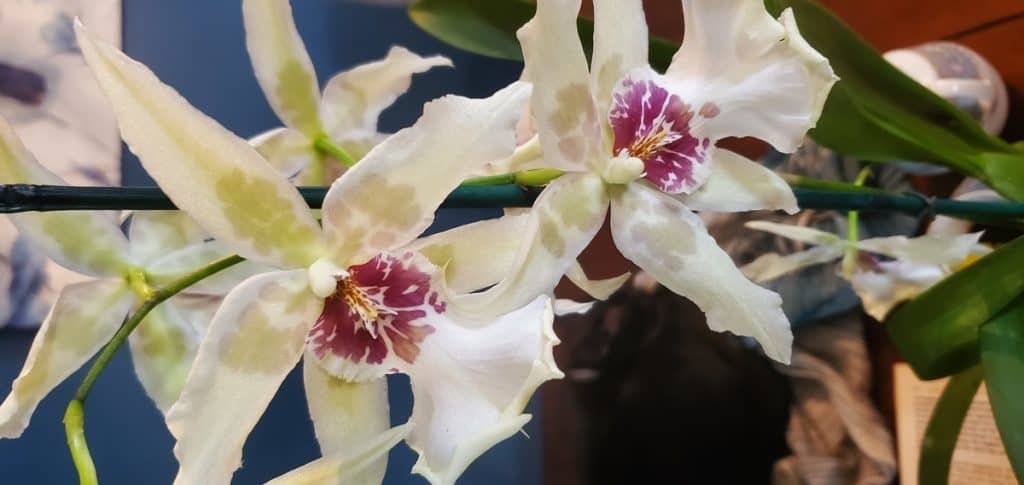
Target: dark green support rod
26, 198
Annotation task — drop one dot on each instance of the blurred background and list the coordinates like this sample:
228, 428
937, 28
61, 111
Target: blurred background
651, 395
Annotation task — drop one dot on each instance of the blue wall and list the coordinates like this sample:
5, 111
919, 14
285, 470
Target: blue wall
197, 47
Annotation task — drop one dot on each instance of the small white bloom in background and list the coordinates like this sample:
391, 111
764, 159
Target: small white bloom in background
345, 113
644, 144
887, 270
355, 299
161, 246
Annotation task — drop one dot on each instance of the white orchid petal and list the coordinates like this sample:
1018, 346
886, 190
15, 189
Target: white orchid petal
620, 44
83, 318
892, 283
599, 289
206, 170
472, 384
668, 241
928, 249
86, 242
769, 266
564, 219
288, 150
564, 307
154, 234
751, 75
475, 256
798, 233
564, 113
255, 339
282, 65
354, 99
527, 156
389, 198
347, 467
346, 416
164, 346
738, 184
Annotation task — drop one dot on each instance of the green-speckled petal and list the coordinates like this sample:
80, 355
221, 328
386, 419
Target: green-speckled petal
87, 242
82, 320
346, 415
389, 197
282, 65
255, 339
353, 99
206, 170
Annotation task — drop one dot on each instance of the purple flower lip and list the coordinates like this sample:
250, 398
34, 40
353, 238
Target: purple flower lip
653, 125
22, 85
376, 310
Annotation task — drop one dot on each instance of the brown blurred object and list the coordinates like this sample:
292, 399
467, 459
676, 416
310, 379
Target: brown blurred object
993, 28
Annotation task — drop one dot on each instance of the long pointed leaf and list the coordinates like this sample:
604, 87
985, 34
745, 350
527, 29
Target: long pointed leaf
944, 426
1002, 356
938, 331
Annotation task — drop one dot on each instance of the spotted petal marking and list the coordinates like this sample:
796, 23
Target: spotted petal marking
653, 125
377, 310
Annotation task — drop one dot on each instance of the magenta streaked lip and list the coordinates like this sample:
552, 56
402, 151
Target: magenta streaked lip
379, 308
653, 125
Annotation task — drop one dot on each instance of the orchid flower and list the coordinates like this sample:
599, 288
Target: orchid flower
356, 299
347, 111
644, 143
912, 265
162, 246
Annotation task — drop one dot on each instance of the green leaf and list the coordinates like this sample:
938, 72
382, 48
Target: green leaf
944, 426
1002, 356
937, 332
875, 112
488, 27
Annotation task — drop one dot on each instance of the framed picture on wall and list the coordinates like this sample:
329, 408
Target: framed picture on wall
50, 97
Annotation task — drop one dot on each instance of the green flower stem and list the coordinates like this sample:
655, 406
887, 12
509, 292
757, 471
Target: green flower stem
325, 146
74, 416
853, 229
503, 179
538, 177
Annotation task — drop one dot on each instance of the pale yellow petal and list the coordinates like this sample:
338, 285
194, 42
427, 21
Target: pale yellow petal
475, 256
83, 318
282, 65
599, 289
346, 416
206, 170
769, 266
564, 219
164, 346
347, 467
390, 196
86, 242
255, 339
288, 150
154, 234
928, 249
798, 233
353, 99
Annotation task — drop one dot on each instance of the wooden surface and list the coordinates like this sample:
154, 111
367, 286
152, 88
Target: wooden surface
993, 28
